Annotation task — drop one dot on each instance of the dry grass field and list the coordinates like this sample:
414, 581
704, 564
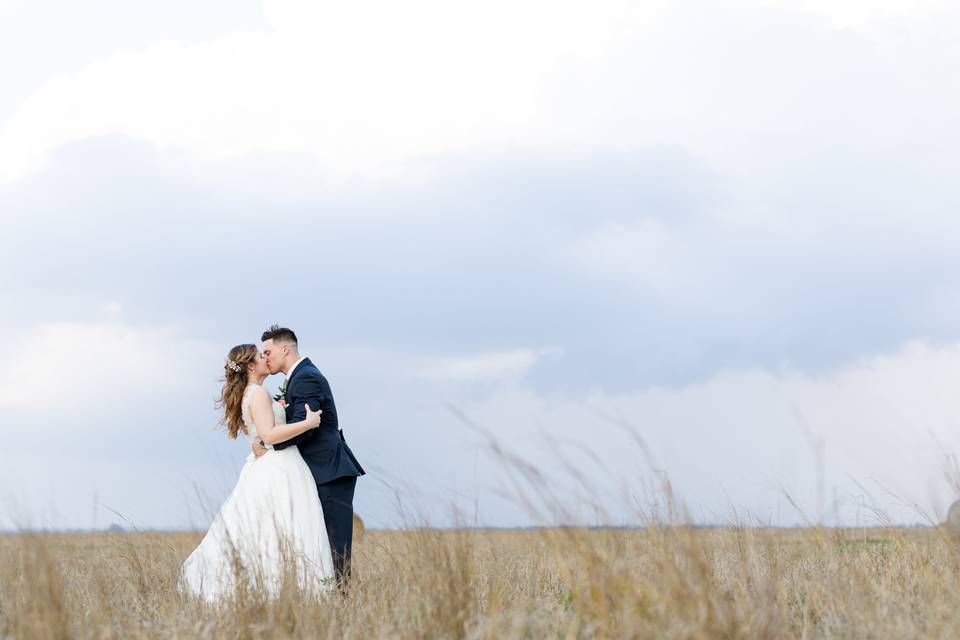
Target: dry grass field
659, 582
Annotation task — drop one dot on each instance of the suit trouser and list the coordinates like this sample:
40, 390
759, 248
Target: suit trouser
336, 498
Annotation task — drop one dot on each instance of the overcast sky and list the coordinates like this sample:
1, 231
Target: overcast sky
622, 241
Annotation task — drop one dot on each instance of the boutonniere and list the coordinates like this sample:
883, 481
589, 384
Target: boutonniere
281, 397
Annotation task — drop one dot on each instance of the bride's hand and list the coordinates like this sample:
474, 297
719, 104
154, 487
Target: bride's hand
313, 417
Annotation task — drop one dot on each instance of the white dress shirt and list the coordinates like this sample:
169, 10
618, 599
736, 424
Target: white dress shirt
290, 370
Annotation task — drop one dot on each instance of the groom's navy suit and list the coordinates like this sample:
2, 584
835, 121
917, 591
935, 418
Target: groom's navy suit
331, 462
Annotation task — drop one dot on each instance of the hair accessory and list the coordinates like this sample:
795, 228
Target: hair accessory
233, 365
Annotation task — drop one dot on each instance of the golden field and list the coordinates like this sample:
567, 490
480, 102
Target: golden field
658, 582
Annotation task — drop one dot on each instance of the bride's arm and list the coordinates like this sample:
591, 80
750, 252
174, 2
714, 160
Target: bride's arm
267, 429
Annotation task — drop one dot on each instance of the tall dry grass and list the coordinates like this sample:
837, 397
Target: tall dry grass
659, 582
665, 580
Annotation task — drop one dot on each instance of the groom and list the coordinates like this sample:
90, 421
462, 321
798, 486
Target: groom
326, 453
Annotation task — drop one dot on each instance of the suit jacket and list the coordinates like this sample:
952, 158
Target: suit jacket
323, 449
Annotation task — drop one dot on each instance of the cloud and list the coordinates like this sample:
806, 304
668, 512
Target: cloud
641, 266
612, 75
869, 15
740, 438
73, 366
500, 365
352, 106
703, 224
744, 439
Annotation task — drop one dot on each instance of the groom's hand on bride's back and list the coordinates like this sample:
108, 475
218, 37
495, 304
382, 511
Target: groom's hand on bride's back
258, 448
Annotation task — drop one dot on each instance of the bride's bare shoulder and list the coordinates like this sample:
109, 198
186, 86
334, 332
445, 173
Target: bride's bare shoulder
259, 394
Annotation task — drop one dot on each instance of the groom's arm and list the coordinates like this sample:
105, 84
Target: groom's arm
309, 391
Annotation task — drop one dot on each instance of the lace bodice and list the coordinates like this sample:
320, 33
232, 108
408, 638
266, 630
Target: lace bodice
279, 415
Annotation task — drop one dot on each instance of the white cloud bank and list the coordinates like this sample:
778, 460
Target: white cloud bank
68, 366
358, 86
869, 15
742, 440
371, 87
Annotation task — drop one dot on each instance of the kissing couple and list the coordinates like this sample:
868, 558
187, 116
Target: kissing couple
290, 513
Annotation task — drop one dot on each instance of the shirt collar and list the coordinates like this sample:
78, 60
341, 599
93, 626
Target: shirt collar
290, 372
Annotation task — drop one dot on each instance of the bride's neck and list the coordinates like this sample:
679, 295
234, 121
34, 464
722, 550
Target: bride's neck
256, 380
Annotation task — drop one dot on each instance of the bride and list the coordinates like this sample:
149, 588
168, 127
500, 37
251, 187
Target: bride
270, 528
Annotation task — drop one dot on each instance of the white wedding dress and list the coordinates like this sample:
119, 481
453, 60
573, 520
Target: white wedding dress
271, 524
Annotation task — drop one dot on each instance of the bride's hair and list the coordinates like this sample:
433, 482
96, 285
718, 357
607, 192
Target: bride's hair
234, 384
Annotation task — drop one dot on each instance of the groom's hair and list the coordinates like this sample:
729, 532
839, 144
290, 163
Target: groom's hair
279, 334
